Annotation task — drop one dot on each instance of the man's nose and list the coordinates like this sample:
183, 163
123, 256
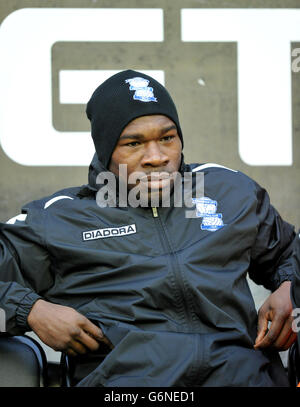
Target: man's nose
154, 156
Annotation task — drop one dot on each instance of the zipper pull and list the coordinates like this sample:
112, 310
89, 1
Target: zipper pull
155, 212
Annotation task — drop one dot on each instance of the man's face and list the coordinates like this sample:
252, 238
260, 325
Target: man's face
149, 144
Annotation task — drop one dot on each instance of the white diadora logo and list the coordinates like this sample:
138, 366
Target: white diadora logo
142, 92
206, 208
109, 232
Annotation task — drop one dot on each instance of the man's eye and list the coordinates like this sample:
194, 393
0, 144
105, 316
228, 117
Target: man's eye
168, 138
133, 144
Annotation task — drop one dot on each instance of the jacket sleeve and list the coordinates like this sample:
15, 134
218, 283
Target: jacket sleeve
295, 290
271, 254
24, 269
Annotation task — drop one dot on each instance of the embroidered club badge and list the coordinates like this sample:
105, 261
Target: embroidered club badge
142, 91
206, 208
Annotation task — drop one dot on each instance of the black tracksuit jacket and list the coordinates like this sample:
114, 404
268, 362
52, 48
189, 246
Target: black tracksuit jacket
295, 290
169, 292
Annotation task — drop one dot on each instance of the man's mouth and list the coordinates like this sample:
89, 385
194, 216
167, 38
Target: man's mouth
157, 180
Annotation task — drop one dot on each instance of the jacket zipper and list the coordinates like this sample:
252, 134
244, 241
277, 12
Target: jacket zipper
155, 212
176, 268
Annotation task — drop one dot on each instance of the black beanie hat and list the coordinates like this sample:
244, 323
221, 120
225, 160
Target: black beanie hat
119, 100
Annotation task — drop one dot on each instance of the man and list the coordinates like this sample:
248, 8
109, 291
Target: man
165, 290
295, 294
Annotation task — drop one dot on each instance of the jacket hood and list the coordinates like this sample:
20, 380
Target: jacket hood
95, 168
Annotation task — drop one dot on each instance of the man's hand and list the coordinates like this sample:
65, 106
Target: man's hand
64, 329
277, 309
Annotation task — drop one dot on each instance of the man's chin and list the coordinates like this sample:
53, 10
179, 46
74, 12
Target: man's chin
150, 194
155, 198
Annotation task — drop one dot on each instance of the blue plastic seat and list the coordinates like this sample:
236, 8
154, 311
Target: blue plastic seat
23, 362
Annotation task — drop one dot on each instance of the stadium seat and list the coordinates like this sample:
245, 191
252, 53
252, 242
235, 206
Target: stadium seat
76, 368
294, 365
23, 362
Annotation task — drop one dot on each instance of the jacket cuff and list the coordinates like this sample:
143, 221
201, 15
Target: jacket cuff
282, 276
24, 308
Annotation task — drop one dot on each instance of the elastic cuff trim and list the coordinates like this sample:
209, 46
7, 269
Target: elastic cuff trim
281, 277
24, 308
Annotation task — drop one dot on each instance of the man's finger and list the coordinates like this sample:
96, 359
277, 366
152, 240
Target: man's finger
284, 335
90, 328
292, 338
262, 327
71, 352
89, 341
77, 347
272, 334
107, 342
95, 332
